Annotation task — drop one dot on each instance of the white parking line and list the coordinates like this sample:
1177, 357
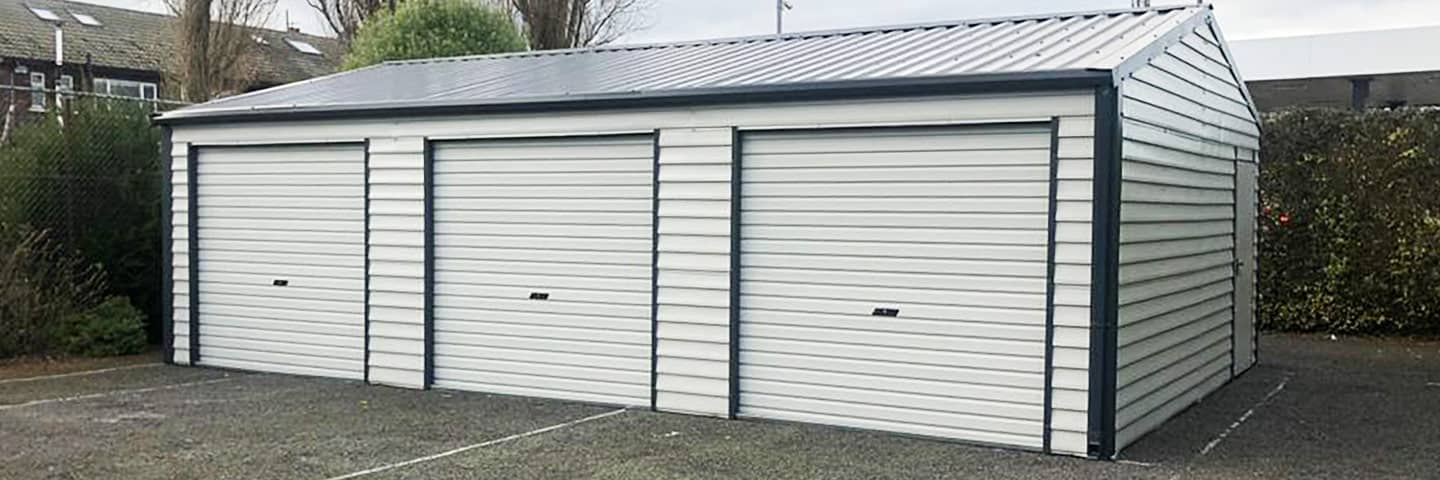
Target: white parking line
76, 374
478, 445
33, 403
1220, 438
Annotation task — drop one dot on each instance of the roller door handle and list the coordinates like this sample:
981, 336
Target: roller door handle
280, 282
886, 312
539, 295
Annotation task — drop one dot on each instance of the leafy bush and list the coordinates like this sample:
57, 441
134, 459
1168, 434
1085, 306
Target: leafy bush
113, 327
431, 29
40, 285
1350, 222
91, 178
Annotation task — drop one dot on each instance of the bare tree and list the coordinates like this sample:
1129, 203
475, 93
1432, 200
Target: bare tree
552, 24
344, 17
216, 39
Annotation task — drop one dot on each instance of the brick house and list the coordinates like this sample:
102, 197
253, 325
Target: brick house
124, 53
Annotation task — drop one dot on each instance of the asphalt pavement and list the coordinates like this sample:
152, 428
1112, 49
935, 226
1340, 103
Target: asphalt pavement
1312, 408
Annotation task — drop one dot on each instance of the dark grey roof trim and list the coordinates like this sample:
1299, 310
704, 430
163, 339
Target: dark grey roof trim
903, 87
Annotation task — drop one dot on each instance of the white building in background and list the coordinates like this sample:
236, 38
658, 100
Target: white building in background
1379, 68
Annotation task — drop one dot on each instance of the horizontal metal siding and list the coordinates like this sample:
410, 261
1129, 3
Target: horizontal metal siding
822, 246
264, 216
1185, 122
693, 296
570, 217
397, 261
1072, 271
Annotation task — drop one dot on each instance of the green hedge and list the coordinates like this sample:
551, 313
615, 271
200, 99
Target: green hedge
90, 179
1350, 222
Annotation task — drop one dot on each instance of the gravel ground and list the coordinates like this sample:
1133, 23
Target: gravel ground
1316, 409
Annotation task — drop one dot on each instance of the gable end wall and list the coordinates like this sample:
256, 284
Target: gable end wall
1185, 119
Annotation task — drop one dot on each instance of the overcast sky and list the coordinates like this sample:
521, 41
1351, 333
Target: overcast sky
672, 20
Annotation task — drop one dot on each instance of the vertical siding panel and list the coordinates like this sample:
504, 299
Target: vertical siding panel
1182, 133
396, 276
692, 272
1071, 349
180, 261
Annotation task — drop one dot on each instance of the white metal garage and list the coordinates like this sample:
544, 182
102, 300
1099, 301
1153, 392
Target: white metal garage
281, 238
1030, 232
895, 278
542, 266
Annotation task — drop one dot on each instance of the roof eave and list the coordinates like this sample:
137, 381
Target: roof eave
907, 87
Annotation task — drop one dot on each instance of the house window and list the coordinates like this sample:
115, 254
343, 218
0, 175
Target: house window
65, 84
85, 19
45, 14
37, 92
304, 47
126, 88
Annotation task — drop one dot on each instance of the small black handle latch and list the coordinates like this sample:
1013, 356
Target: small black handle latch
539, 296
280, 282
886, 312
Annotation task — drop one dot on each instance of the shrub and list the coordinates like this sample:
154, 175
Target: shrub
113, 327
91, 178
40, 285
431, 29
1350, 222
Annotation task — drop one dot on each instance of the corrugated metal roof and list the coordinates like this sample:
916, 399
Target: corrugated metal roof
1051, 43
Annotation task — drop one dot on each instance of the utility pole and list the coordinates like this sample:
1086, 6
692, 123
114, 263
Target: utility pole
780, 7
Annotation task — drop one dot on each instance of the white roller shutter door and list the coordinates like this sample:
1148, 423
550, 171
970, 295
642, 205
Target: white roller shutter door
946, 226
543, 267
282, 258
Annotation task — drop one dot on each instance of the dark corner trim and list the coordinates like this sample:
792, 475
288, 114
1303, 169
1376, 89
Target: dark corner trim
429, 295
365, 366
1104, 273
1050, 282
1255, 269
655, 270
167, 247
192, 239
734, 376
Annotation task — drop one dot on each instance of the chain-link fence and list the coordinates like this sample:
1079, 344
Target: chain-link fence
80, 187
